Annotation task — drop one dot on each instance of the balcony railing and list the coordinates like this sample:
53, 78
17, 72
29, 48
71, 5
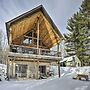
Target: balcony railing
32, 50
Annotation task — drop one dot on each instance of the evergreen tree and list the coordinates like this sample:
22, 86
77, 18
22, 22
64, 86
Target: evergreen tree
79, 26
85, 10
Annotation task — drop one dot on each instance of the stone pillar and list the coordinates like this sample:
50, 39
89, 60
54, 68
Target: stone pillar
28, 71
12, 67
14, 71
37, 70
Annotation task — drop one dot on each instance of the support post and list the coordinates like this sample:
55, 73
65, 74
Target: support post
37, 69
8, 67
58, 60
12, 68
38, 36
8, 71
28, 71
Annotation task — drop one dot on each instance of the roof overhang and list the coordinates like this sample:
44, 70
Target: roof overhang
22, 24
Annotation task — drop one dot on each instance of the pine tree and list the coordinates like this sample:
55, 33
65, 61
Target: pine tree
79, 26
85, 9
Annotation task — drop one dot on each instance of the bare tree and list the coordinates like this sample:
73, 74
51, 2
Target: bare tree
3, 48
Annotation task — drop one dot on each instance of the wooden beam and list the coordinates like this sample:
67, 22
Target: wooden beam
8, 69
10, 36
38, 35
32, 60
30, 37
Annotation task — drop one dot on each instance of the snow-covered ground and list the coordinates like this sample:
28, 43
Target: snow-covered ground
54, 83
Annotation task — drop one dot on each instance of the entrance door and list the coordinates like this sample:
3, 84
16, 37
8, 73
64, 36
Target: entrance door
42, 70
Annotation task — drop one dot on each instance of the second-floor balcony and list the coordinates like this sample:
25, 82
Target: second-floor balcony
34, 51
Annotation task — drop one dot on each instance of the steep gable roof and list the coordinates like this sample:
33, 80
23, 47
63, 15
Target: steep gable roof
26, 21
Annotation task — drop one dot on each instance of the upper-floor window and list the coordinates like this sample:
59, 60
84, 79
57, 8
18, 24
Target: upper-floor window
28, 41
31, 39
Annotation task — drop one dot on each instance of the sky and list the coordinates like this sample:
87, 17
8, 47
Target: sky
59, 10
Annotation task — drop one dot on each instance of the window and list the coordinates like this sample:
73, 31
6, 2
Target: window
30, 34
25, 41
40, 42
35, 35
35, 41
28, 41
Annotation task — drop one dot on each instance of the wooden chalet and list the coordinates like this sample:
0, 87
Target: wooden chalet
31, 37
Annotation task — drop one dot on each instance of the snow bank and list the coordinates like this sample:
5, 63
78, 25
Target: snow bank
3, 68
70, 70
3, 71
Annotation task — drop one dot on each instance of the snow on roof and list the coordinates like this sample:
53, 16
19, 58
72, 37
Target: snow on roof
69, 58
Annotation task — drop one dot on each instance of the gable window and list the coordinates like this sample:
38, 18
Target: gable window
35, 35
30, 34
28, 41
25, 41
35, 41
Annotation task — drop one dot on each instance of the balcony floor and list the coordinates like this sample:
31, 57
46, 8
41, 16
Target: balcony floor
33, 56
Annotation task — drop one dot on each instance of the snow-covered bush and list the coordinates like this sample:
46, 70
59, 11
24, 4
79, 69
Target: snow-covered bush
3, 70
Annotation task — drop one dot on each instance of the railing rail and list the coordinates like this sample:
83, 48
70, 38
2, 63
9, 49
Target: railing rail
31, 50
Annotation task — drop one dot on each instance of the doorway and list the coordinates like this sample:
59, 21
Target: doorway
42, 70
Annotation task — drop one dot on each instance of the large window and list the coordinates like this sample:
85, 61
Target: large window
21, 70
31, 39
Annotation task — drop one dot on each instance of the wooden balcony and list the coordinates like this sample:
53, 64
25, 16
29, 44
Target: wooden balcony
34, 52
